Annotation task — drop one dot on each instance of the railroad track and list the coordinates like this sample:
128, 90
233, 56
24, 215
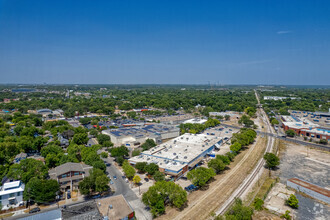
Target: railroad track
261, 163
248, 181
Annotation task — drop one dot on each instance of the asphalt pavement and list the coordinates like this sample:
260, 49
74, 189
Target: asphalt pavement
121, 187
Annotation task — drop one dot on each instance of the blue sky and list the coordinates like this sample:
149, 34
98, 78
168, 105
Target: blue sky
178, 42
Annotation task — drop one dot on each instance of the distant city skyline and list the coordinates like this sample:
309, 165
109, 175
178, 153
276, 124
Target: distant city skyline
153, 42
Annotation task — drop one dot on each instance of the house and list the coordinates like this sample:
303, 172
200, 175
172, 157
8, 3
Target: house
69, 175
63, 141
11, 194
20, 157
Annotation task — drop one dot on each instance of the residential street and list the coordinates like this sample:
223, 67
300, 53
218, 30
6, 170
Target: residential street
121, 187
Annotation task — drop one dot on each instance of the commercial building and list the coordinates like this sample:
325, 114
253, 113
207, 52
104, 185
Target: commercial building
177, 156
55, 214
80, 211
131, 136
310, 189
110, 208
195, 121
305, 127
69, 175
11, 194
276, 98
115, 208
223, 114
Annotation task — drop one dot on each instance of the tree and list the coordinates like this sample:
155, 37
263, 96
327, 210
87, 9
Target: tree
258, 203
225, 159
101, 183
104, 154
159, 176
292, 201
25, 143
52, 160
27, 169
120, 160
41, 191
51, 149
200, 176
152, 168
286, 215
102, 138
236, 147
274, 121
230, 155
97, 181
136, 179
119, 151
272, 160
290, 133
150, 143
246, 121
80, 138
136, 152
94, 132
227, 117
162, 192
324, 141
141, 166
239, 211
217, 165
128, 170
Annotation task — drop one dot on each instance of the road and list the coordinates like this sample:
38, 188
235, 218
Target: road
319, 146
121, 187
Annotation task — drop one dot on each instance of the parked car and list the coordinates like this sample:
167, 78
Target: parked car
108, 164
114, 177
146, 179
96, 196
124, 177
111, 182
190, 188
34, 210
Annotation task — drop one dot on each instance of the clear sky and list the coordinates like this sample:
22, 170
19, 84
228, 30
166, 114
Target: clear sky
179, 42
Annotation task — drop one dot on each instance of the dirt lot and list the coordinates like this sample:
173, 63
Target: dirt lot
202, 203
315, 169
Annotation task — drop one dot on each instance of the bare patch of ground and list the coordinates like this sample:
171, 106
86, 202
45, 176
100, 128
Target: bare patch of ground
275, 201
308, 164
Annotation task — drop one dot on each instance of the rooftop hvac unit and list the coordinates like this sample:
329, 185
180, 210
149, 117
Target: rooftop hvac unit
174, 153
185, 157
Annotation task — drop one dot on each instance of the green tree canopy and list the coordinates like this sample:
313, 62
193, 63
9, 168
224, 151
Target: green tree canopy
163, 191
40, 190
272, 160
27, 169
200, 176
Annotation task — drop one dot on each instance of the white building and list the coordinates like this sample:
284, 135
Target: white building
131, 136
195, 121
11, 194
177, 156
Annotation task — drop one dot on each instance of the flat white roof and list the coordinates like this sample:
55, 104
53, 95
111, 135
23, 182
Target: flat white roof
12, 187
195, 121
177, 153
11, 184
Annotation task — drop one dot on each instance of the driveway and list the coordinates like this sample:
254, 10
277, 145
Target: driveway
121, 187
